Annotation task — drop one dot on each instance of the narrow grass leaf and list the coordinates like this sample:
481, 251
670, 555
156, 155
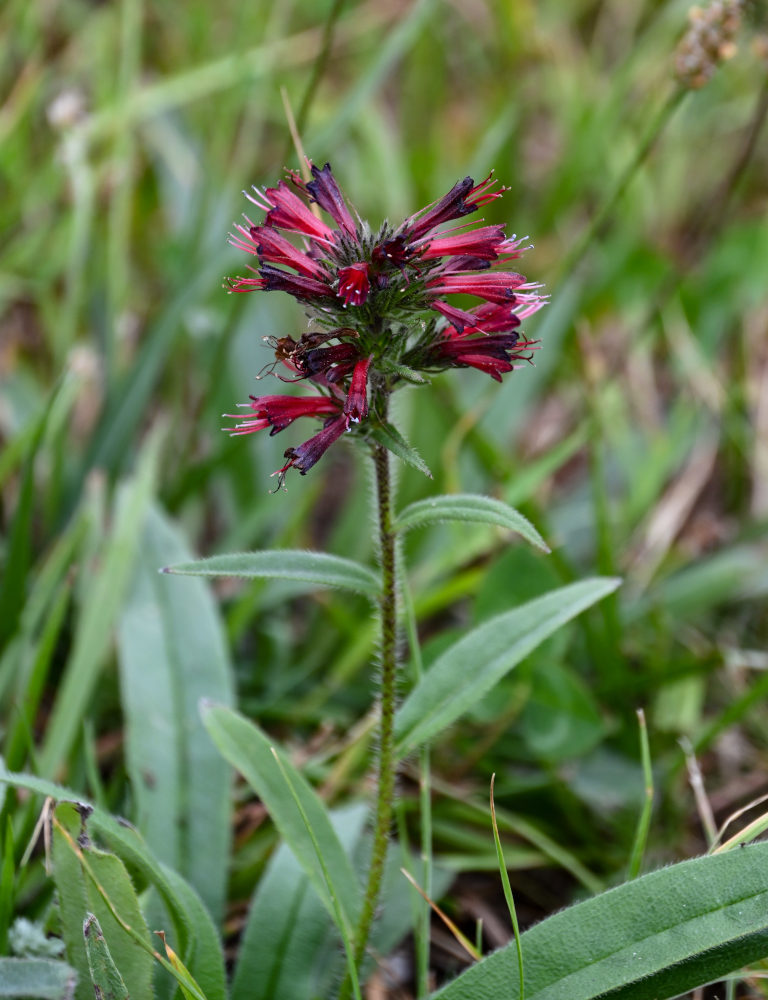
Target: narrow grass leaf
468, 507
247, 748
468, 670
510, 899
18, 551
656, 937
102, 600
42, 978
172, 652
7, 881
644, 820
318, 568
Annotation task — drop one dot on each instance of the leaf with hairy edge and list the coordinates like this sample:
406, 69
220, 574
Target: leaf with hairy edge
193, 928
76, 864
469, 669
656, 937
105, 975
285, 948
42, 978
319, 568
247, 748
391, 438
469, 507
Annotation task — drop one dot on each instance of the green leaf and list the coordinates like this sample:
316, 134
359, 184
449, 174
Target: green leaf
406, 373
284, 949
192, 924
318, 568
248, 749
41, 978
105, 976
102, 600
470, 668
172, 652
656, 937
76, 863
468, 507
14, 576
391, 438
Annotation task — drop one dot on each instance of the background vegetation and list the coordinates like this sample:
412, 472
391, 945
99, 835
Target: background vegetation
638, 445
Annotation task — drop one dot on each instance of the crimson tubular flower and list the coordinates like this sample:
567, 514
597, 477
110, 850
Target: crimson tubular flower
379, 301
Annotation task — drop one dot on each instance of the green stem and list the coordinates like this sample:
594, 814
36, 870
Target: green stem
387, 696
425, 800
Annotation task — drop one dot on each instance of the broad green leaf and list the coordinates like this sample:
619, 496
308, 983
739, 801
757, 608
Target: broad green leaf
105, 975
468, 507
76, 863
197, 938
41, 978
318, 568
391, 438
470, 668
285, 948
102, 599
172, 652
249, 750
656, 937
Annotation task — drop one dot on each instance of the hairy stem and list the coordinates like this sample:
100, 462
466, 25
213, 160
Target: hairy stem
387, 691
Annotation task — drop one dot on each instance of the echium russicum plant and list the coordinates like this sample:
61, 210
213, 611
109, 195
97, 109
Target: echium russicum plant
382, 314
379, 302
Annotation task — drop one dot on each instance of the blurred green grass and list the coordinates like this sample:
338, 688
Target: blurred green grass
637, 445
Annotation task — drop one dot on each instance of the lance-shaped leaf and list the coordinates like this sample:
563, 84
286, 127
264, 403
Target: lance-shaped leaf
391, 438
318, 568
172, 652
264, 766
468, 670
469, 507
656, 937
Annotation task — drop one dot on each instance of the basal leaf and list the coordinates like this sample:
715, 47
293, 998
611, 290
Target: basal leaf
81, 871
172, 652
192, 926
655, 937
42, 978
248, 749
108, 984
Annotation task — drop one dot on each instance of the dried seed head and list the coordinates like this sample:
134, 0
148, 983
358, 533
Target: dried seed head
709, 41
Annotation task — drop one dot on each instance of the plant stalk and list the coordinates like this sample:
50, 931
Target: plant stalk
387, 764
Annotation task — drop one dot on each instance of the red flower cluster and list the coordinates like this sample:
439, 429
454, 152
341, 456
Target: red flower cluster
379, 300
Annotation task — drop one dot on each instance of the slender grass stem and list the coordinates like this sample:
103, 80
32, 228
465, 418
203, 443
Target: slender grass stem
644, 822
387, 697
605, 211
